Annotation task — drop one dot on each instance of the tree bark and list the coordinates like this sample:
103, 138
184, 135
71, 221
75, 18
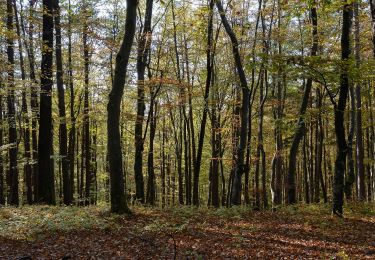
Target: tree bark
301, 125
205, 109
338, 184
237, 181
63, 134
118, 197
13, 171
142, 60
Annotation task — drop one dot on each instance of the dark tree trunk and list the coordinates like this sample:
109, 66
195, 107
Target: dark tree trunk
372, 7
350, 178
118, 197
151, 191
13, 171
300, 131
318, 147
142, 60
338, 184
237, 180
63, 134
198, 159
46, 184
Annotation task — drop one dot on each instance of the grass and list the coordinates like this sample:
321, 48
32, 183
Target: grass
31, 222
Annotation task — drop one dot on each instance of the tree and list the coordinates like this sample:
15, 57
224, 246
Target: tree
13, 171
209, 66
142, 61
46, 180
301, 125
239, 164
338, 183
118, 197
63, 134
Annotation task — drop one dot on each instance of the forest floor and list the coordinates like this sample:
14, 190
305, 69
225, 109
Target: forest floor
300, 232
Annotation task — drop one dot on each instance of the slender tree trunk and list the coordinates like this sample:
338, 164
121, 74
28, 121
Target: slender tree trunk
359, 134
13, 171
86, 112
142, 61
301, 125
72, 133
338, 184
318, 147
34, 98
63, 134
26, 128
205, 109
350, 178
237, 180
118, 196
151, 191
372, 8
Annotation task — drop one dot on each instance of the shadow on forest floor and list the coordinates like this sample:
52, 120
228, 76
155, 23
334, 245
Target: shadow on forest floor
303, 232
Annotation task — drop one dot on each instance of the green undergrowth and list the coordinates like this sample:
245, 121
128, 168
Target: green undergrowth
32, 222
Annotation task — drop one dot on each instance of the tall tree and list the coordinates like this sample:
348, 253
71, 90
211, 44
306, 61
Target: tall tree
340, 167
13, 171
86, 109
46, 181
118, 197
301, 125
209, 69
358, 98
63, 133
142, 61
237, 180
25, 115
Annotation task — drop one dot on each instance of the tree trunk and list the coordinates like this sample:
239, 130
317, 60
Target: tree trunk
72, 133
300, 131
118, 197
338, 184
205, 109
86, 111
13, 171
237, 180
63, 135
26, 130
142, 61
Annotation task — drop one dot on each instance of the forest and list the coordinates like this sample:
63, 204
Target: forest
174, 129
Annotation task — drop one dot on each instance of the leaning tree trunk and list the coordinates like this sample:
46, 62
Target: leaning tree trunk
300, 131
338, 183
198, 159
239, 170
118, 196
